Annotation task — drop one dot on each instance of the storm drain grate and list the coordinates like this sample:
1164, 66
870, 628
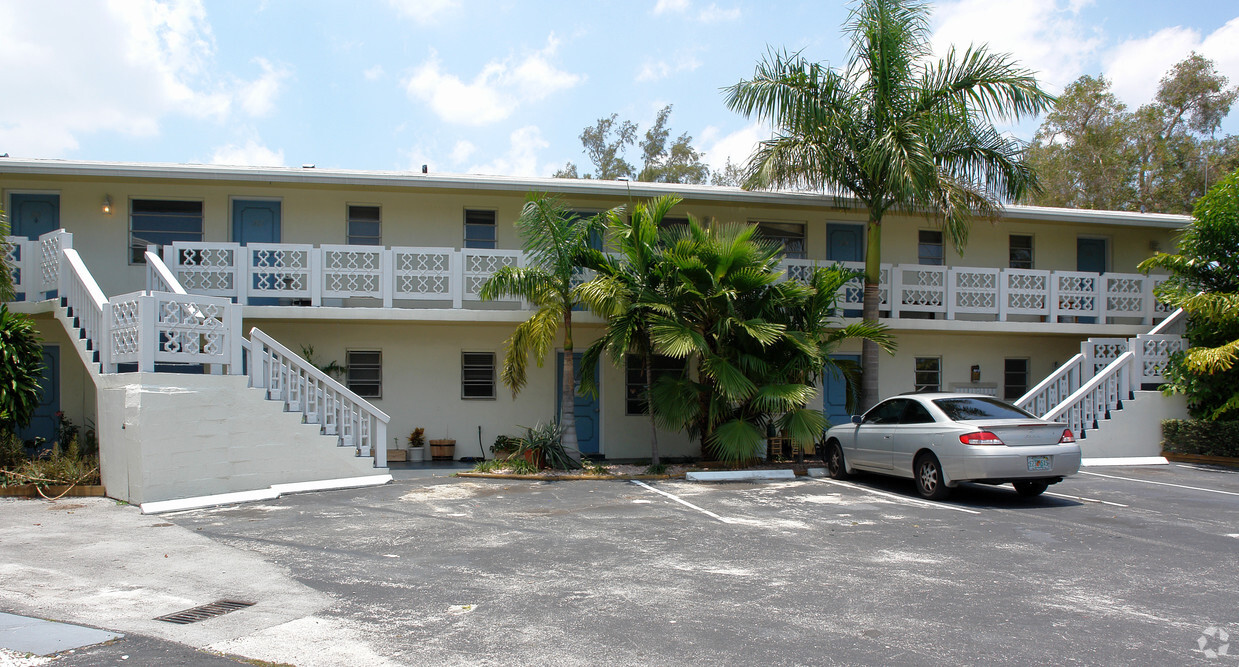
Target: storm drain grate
211, 610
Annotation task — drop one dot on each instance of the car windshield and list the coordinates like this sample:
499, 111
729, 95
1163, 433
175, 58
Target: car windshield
969, 409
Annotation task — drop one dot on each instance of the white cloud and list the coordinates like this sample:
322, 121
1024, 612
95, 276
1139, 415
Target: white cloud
462, 151
374, 73
653, 70
522, 157
716, 14
496, 91
1046, 36
120, 66
1136, 66
736, 146
251, 154
258, 97
665, 6
423, 11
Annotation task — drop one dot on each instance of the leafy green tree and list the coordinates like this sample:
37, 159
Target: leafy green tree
1204, 282
731, 175
607, 140
21, 366
1091, 152
1081, 153
894, 130
553, 240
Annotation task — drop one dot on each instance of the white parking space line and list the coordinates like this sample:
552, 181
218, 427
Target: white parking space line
1149, 481
1234, 535
892, 496
1083, 499
681, 501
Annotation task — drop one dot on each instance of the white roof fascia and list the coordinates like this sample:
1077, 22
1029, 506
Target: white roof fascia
314, 175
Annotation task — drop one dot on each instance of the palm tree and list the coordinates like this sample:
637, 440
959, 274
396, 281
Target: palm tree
627, 292
758, 342
553, 241
894, 130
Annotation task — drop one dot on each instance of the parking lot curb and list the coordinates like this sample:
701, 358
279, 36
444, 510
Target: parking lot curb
739, 475
565, 478
1126, 461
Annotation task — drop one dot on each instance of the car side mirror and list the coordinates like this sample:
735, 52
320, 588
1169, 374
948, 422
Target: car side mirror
856, 419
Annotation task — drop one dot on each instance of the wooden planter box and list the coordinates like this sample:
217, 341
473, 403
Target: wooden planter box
504, 454
442, 450
32, 491
397, 455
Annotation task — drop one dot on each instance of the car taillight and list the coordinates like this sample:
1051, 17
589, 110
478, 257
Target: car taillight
981, 438
1067, 437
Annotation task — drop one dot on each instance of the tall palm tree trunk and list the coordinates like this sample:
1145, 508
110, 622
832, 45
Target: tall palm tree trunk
567, 403
869, 313
649, 404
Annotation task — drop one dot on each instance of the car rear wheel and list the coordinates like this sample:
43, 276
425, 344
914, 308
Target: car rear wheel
1030, 489
834, 461
929, 481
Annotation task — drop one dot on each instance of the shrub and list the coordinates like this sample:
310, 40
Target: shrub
60, 466
1205, 438
21, 367
545, 442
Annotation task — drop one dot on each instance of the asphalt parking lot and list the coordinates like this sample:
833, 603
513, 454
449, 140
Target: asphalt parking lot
1126, 565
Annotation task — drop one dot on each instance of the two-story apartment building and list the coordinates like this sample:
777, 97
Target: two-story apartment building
378, 271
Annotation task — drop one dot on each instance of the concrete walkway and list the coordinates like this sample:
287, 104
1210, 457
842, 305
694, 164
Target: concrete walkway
92, 561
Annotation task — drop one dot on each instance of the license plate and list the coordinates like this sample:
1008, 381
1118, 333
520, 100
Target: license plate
1039, 463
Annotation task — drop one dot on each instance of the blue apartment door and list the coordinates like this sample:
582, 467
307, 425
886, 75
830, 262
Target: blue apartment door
845, 243
834, 391
256, 221
584, 407
32, 215
43, 423
1091, 256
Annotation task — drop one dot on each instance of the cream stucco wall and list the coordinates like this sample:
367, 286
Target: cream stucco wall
422, 384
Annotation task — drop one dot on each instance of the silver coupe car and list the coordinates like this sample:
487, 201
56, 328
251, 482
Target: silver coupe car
939, 440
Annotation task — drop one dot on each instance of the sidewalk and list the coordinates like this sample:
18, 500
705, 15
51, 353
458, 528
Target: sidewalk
95, 562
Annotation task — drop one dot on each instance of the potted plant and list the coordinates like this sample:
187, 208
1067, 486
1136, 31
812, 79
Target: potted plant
417, 445
443, 450
505, 446
543, 446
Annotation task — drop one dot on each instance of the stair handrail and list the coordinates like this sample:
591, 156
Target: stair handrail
158, 277
331, 399
1041, 392
1103, 392
1170, 321
84, 297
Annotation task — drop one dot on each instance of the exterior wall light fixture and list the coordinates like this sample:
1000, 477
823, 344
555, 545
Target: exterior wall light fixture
107, 204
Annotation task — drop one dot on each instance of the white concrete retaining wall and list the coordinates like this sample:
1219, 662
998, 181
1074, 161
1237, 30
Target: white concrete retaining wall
164, 436
1136, 430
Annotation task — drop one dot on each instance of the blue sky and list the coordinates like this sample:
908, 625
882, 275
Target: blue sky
497, 87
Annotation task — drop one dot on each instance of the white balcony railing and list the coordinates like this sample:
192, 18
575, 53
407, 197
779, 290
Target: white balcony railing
302, 274
36, 263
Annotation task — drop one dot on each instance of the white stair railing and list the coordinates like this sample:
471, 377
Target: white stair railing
158, 277
1055, 388
1096, 398
86, 302
322, 400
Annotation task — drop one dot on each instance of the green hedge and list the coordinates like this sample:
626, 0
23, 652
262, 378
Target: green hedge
1193, 436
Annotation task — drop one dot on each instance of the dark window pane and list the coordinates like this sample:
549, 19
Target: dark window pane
964, 409
634, 388
1015, 378
364, 374
159, 222
788, 234
1021, 252
930, 250
477, 375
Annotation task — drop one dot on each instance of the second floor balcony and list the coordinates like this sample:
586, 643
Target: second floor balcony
304, 275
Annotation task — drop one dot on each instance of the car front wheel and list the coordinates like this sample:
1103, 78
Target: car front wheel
929, 481
1030, 489
834, 461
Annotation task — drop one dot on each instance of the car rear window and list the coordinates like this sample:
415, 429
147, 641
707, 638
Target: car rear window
969, 409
